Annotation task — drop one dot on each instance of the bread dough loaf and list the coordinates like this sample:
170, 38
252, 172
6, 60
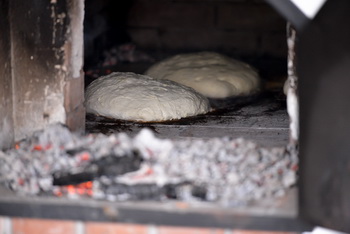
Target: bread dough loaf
211, 74
130, 96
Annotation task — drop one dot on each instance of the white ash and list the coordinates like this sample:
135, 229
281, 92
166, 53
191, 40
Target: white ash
28, 169
229, 171
232, 170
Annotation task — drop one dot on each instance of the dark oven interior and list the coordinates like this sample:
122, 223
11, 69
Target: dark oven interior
130, 36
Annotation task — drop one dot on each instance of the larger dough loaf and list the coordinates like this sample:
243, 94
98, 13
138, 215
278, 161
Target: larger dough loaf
130, 96
211, 74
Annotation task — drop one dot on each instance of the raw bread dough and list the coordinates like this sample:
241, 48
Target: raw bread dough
211, 74
130, 96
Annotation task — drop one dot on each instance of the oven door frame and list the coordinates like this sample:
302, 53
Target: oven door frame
323, 69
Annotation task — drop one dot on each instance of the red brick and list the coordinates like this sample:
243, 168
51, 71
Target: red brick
241, 42
188, 39
170, 14
243, 16
41, 226
205, 39
244, 42
189, 230
5, 225
114, 228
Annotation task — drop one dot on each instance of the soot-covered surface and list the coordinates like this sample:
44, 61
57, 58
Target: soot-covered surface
262, 118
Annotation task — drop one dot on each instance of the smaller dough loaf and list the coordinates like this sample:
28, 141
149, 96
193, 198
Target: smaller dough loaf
211, 74
130, 96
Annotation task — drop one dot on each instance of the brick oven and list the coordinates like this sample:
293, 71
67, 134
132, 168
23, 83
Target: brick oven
50, 51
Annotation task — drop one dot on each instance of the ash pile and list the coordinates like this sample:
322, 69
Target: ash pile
56, 162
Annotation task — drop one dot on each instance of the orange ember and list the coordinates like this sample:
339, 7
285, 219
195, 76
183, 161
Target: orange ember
78, 189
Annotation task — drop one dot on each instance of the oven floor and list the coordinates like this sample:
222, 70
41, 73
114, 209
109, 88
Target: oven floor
261, 118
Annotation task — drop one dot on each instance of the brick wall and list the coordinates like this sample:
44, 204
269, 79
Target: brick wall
41, 226
237, 27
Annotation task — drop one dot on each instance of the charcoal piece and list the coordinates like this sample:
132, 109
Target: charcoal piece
173, 191
72, 179
109, 166
115, 165
135, 192
186, 191
75, 151
170, 191
199, 192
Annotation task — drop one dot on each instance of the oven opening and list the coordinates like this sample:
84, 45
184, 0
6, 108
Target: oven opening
238, 158
132, 36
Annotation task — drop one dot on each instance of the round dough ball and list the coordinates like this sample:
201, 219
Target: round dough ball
130, 96
211, 74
